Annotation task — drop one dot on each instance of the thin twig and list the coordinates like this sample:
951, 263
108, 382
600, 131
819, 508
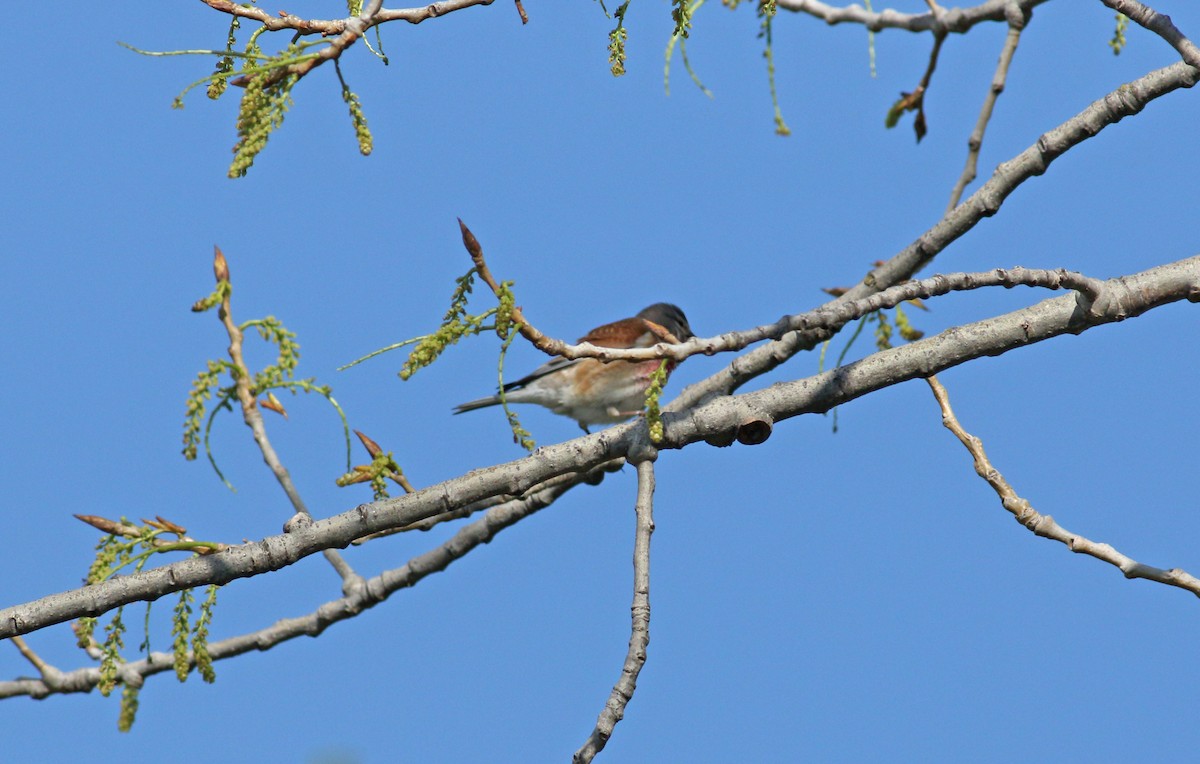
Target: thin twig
42, 667
833, 316
975, 142
639, 637
254, 420
51, 677
125, 530
527, 330
917, 97
1044, 525
394, 472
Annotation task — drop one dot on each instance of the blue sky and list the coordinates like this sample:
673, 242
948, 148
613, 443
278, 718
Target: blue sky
858, 596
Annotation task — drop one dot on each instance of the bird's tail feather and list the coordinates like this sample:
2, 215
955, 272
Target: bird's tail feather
479, 403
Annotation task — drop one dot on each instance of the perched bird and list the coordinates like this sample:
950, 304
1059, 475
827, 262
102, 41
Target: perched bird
598, 392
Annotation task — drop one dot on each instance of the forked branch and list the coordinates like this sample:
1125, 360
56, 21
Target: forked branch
372, 592
1044, 525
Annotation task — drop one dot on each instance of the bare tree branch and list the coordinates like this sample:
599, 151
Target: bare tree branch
338, 26
639, 637
957, 20
370, 593
276, 23
562, 481
342, 32
1125, 101
1044, 525
1120, 299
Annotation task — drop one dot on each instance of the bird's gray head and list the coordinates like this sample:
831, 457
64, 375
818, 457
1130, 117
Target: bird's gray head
669, 317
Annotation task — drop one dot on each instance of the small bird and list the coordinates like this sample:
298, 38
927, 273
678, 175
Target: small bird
591, 391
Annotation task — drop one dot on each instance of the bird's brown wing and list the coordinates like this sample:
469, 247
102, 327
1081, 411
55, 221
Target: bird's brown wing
626, 333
